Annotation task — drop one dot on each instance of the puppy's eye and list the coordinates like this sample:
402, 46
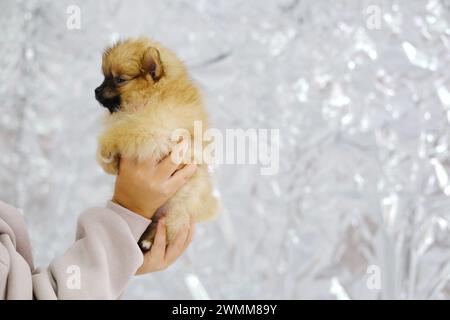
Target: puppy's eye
119, 80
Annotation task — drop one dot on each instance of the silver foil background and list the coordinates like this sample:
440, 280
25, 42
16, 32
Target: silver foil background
364, 118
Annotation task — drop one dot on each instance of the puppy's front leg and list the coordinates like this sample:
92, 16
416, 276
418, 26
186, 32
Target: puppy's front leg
108, 156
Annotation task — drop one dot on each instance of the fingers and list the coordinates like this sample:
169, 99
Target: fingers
159, 244
150, 161
181, 176
171, 163
175, 248
160, 255
165, 168
131, 163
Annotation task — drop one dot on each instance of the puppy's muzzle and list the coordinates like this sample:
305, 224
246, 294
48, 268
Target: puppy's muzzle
111, 103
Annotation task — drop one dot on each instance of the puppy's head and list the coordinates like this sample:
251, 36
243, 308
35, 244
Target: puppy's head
132, 69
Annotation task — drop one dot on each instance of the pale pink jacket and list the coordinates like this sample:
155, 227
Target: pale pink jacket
98, 265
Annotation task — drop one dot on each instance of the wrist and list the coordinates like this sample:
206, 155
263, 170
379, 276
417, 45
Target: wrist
144, 212
137, 223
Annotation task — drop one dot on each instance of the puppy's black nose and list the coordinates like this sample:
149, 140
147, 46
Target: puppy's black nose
97, 91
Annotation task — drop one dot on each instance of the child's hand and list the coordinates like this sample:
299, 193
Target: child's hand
161, 256
144, 187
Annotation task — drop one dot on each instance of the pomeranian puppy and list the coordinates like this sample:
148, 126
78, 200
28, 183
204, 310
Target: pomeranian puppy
149, 94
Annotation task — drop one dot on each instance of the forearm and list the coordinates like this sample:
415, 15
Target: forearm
101, 262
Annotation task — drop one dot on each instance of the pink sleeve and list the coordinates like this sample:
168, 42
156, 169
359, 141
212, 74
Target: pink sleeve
98, 265
101, 262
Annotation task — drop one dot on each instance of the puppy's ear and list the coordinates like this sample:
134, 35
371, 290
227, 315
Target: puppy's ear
151, 63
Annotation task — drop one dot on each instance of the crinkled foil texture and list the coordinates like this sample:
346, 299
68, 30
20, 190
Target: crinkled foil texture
363, 115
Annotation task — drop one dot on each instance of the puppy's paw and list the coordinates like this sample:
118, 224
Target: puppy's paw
148, 237
108, 160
